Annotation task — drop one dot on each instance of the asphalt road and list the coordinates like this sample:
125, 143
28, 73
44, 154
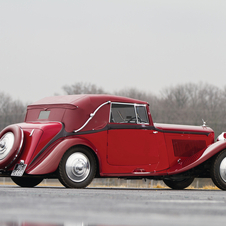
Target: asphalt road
107, 206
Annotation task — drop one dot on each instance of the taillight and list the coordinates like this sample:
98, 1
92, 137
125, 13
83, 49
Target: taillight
222, 136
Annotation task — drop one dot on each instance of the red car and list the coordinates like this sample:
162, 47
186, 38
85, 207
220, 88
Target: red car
76, 138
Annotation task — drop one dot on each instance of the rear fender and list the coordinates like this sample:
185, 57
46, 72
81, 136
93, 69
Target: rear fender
51, 162
207, 154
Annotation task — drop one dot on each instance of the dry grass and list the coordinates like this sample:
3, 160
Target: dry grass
156, 186
210, 187
206, 187
190, 187
159, 186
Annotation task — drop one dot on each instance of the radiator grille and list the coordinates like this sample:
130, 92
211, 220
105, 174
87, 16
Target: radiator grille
187, 148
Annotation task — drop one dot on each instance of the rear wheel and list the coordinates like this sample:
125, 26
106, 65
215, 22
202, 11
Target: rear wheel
77, 168
178, 184
27, 181
218, 170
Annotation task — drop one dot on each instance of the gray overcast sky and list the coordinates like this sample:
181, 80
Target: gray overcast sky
146, 44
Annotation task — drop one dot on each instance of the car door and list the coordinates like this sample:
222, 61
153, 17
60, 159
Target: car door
131, 140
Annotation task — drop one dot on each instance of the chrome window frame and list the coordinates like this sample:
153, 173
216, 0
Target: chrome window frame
146, 113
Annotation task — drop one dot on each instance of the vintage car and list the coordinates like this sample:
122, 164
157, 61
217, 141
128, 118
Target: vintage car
77, 138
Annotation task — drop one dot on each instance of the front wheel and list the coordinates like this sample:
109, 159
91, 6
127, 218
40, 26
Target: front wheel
178, 184
28, 182
218, 170
77, 168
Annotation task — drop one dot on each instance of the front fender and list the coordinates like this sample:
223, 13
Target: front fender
209, 152
51, 162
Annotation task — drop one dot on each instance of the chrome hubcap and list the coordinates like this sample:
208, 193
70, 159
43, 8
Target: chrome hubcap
6, 144
77, 167
223, 169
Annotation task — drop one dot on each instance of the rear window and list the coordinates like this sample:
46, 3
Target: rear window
44, 115
53, 114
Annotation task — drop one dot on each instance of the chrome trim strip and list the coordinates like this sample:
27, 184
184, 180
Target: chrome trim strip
31, 132
91, 116
141, 172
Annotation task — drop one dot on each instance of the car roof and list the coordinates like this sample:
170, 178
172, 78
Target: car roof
75, 100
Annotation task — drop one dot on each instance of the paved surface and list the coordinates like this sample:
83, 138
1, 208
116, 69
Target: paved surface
107, 206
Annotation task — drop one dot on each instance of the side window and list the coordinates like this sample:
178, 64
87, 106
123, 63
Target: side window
128, 113
142, 116
123, 113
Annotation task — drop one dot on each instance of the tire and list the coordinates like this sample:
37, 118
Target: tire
77, 168
11, 141
28, 182
179, 184
218, 170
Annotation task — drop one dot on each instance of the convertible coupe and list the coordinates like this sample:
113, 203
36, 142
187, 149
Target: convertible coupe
77, 138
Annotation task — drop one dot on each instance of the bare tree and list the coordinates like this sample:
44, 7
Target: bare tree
82, 88
10, 111
141, 95
180, 104
132, 93
190, 103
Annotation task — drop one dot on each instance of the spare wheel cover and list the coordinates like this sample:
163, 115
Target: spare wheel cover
11, 141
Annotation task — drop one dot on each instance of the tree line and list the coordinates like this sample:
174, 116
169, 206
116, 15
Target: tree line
11, 111
187, 104
181, 104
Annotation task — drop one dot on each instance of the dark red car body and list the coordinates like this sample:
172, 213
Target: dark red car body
119, 136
